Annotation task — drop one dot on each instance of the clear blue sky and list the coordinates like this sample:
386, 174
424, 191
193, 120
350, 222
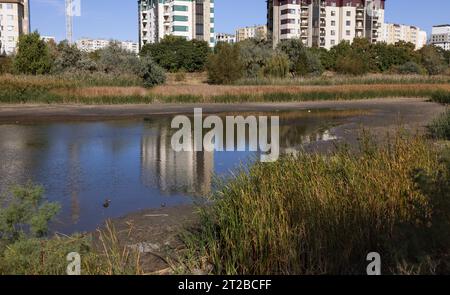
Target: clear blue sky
117, 19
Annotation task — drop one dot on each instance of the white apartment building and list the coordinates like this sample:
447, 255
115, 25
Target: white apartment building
227, 38
259, 31
440, 36
191, 19
393, 33
325, 23
90, 45
14, 22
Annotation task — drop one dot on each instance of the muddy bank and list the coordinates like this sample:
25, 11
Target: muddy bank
411, 109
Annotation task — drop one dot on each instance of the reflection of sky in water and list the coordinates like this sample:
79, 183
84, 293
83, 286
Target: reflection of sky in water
130, 162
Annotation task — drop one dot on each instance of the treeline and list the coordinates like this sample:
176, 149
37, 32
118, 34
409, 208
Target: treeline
36, 57
226, 63
257, 59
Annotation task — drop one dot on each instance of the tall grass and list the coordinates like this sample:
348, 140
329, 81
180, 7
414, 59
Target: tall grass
92, 90
103, 255
346, 80
315, 214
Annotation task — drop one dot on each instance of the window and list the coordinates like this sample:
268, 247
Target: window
348, 33
333, 23
9, 6
349, 13
333, 13
333, 42
348, 23
333, 33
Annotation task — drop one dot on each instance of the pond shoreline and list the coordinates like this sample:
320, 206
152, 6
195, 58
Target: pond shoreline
29, 113
155, 232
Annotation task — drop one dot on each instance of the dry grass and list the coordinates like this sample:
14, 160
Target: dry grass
88, 92
219, 90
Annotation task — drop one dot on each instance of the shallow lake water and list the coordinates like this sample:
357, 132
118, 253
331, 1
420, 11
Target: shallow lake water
130, 162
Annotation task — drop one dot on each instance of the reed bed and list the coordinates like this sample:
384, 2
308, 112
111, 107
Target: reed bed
316, 214
44, 89
345, 80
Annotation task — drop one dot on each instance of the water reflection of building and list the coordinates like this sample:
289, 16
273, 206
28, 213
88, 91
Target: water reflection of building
174, 172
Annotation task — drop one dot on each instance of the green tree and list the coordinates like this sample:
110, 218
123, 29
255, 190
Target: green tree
67, 57
278, 66
303, 60
392, 55
433, 60
225, 65
255, 54
175, 53
33, 56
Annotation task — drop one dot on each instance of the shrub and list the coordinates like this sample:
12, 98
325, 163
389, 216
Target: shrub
114, 59
410, 68
6, 64
303, 60
255, 55
351, 65
278, 66
180, 76
33, 56
174, 53
225, 65
25, 212
151, 73
432, 60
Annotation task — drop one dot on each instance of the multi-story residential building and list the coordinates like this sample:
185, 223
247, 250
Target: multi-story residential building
325, 23
227, 38
440, 36
90, 45
191, 19
259, 32
393, 33
14, 22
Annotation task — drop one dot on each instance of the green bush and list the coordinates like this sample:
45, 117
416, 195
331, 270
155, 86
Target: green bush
255, 55
351, 65
278, 66
25, 212
225, 65
151, 73
433, 60
33, 56
410, 67
303, 60
174, 53
6, 64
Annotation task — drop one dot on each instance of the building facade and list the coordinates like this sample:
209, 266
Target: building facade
394, 33
440, 36
14, 22
325, 23
259, 32
90, 45
227, 38
191, 19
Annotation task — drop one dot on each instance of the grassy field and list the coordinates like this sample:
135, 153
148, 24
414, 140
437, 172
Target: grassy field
99, 90
315, 214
